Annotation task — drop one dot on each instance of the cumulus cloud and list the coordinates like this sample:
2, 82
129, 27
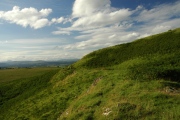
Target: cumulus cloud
96, 24
97, 13
100, 25
57, 20
88, 7
27, 17
93, 14
101, 19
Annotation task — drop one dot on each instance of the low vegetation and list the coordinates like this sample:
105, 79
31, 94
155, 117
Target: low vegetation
11, 74
135, 81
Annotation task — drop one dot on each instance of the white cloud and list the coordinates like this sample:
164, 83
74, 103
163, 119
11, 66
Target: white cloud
58, 20
61, 32
159, 13
88, 7
101, 25
160, 28
101, 19
94, 24
97, 13
40, 23
27, 17
34, 49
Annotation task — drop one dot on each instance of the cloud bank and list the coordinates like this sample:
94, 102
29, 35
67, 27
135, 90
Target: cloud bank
93, 24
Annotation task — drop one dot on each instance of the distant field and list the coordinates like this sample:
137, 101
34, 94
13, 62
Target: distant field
15, 74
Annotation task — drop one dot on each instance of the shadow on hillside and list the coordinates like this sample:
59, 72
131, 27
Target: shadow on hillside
171, 84
173, 75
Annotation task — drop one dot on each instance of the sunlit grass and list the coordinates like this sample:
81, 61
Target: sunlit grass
14, 74
137, 86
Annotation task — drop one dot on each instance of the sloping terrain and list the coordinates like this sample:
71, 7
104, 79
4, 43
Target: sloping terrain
138, 80
160, 44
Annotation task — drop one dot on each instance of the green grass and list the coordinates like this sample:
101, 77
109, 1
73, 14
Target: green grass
31, 81
126, 99
7, 75
133, 81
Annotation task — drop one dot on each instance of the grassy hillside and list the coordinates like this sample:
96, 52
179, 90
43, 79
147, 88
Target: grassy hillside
7, 75
160, 44
135, 81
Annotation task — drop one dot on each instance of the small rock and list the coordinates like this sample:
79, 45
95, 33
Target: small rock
107, 112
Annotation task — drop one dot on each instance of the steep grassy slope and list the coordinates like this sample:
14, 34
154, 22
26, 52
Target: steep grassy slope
160, 44
135, 81
19, 85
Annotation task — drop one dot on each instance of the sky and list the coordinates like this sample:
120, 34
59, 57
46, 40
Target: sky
67, 29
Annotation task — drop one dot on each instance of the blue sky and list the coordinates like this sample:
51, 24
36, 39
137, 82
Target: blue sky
66, 29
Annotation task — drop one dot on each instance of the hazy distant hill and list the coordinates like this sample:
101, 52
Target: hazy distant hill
133, 81
39, 63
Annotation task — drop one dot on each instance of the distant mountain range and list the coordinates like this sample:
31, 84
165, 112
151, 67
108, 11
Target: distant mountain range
39, 63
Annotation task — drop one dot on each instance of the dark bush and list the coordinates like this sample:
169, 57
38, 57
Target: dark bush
170, 74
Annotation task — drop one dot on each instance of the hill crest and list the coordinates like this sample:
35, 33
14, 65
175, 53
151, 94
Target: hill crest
163, 43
